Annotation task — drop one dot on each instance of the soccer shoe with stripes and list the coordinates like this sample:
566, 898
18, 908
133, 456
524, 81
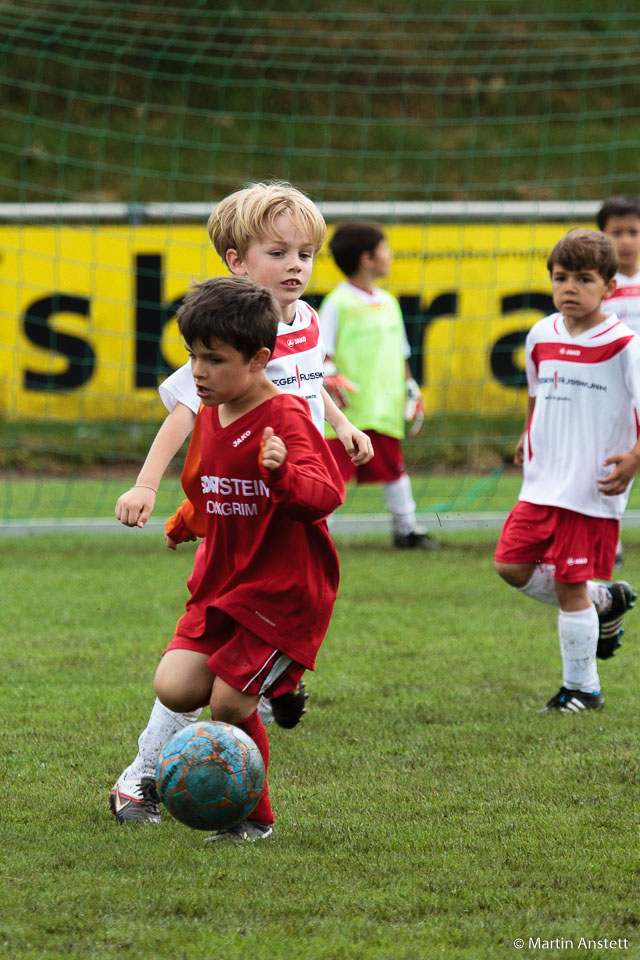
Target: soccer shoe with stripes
135, 801
574, 701
622, 599
289, 708
246, 830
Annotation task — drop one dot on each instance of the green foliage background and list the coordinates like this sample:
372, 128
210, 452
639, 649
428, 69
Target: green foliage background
377, 100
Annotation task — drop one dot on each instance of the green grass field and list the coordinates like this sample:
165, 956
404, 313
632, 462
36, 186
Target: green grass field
71, 497
425, 807
35, 497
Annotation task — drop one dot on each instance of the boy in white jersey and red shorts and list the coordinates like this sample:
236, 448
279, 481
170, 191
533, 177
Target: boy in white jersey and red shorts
579, 452
262, 480
270, 232
619, 218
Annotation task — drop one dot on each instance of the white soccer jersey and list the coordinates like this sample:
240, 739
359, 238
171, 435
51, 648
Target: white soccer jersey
624, 302
295, 367
587, 406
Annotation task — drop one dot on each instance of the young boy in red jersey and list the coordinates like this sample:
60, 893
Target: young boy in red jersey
580, 451
264, 586
270, 232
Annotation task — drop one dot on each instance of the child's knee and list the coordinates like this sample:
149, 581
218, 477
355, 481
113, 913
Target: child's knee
515, 574
167, 694
172, 693
230, 705
502, 569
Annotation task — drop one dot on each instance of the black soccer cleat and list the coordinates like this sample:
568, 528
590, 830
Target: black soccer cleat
247, 830
415, 541
574, 701
289, 708
609, 637
135, 801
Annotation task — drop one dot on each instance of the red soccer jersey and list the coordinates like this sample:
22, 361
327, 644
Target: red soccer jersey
267, 560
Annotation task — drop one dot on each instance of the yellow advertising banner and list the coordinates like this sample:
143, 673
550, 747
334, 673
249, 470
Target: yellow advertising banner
87, 313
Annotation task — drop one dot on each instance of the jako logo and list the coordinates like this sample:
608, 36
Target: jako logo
576, 561
240, 439
291, 342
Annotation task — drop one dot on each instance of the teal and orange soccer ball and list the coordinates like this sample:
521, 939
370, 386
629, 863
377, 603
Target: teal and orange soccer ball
210, 775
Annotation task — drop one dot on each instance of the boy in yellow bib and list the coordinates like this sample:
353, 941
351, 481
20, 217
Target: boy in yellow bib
367, 370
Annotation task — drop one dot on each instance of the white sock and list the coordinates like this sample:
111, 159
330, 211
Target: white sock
401, 505
578, 632
163, 723
542, 587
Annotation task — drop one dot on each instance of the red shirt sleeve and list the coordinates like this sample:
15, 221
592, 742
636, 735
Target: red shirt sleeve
190, 519
308, 485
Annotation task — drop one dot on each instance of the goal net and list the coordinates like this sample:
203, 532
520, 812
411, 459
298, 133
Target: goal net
476, 133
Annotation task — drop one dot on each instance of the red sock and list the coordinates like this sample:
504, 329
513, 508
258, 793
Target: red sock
254, 727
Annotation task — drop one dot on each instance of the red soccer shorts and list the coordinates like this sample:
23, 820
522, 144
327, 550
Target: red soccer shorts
386, 466
242, 659
581, 547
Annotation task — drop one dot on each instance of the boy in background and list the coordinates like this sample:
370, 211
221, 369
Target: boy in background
271, 233
264, 585
367, 370
619, 218
580, 451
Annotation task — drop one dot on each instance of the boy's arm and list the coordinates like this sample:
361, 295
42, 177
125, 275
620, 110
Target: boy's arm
337, 385
185, 525
190, 521
134, 507
518, 457
356, 443
303, 480
414, 404
626, 467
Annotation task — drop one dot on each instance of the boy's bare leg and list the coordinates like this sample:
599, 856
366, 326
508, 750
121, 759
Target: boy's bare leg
232, 706
578, 629
133, 797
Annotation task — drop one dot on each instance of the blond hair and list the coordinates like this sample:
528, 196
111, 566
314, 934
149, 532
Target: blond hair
250, 214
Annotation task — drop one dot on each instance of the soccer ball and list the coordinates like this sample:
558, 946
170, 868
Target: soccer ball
210, 775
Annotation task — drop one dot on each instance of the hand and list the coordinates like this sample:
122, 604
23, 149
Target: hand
518, 456
134, 507
337, 385
356, 443
273, 452
626, 467
173, 544
414, 407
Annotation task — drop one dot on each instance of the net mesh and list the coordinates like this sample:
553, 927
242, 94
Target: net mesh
478, 132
